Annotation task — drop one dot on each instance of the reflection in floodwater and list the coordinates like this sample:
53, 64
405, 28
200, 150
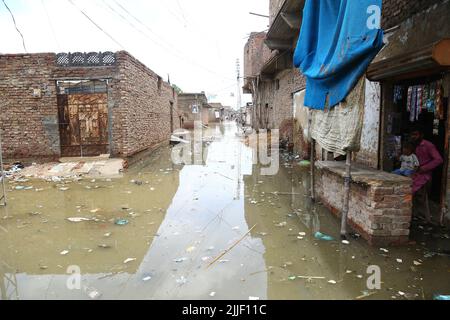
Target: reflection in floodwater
182, 217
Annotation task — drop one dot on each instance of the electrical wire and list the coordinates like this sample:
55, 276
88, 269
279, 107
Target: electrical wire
15, 25
168, 46
133, 25
95, 24
51, 25
182, 12
163, 2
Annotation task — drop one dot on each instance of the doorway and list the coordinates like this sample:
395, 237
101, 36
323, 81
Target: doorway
83, 118
417, 102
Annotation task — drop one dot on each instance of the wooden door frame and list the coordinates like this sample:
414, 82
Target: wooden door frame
63, 106
443, 202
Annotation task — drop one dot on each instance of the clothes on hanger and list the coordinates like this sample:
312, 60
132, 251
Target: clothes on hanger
398, 94
423, 98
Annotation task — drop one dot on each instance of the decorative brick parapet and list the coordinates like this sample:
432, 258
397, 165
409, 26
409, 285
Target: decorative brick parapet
380, 202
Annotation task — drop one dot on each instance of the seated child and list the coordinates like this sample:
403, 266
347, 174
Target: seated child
409, 161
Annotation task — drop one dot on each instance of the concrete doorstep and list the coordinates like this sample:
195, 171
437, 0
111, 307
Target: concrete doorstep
96, 167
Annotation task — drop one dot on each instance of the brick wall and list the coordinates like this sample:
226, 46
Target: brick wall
139, 105
396, 11
275, 108
380, 208
144, 106
28, 125
256, 54
290, 81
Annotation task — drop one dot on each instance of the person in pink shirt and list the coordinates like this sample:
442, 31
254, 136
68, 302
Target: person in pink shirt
429, 159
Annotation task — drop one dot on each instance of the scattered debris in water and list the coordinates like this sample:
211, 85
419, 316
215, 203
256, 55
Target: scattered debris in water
93, 293
181, 281
78, 219
121, 222
320, 236
190, 249
281, 224
441, 297
129, 260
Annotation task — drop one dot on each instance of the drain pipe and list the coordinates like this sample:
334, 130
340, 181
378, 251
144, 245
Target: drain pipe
347, 180
312, 160
313, 170
2, 176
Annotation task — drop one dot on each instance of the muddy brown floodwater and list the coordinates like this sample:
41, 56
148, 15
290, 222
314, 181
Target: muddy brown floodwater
180, 218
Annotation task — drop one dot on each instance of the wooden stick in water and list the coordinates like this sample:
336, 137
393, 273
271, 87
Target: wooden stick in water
228, 250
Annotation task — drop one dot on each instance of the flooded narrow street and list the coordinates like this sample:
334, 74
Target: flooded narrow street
159, 232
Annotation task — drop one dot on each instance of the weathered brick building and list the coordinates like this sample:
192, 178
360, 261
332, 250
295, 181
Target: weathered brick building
193, 107
82, 105
216, 112
397, 11
417, 53
269, 72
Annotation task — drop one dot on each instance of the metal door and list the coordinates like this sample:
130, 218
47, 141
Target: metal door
83, 123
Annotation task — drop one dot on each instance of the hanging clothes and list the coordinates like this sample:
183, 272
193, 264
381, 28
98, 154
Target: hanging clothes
337, 43
439, 101
339, 129
398, 94
418, 102
409, 100
426, 96
432, 98
412, 116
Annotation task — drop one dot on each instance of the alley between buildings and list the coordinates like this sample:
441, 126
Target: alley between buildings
217, 229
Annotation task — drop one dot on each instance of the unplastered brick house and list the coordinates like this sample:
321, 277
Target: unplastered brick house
416, 54
270, 75
194, 107
56, 105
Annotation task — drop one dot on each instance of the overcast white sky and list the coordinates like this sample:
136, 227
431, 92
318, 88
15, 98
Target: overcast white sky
196, 42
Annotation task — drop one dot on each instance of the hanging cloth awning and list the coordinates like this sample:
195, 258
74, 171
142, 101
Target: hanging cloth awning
338, 41
339, 129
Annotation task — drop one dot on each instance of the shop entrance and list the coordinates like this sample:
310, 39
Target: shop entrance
417, 102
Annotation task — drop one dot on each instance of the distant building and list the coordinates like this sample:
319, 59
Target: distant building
193, 107
216, 113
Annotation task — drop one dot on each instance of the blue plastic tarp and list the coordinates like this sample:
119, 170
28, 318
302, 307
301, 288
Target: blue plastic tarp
338, 41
